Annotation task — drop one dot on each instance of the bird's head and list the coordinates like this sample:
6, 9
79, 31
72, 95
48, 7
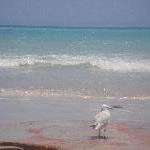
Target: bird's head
105, 107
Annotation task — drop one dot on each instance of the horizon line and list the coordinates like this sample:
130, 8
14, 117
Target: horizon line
82, 27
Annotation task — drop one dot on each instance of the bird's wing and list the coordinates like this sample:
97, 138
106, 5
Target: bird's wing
102, 117
101, 120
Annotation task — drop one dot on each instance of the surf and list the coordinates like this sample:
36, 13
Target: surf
103, 63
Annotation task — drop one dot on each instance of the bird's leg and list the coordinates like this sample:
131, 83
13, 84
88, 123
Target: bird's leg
105, 133
99, 134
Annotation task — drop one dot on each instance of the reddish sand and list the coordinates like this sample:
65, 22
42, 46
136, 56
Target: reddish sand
121, 137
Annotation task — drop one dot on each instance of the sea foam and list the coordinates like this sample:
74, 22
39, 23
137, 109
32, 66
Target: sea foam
101, 62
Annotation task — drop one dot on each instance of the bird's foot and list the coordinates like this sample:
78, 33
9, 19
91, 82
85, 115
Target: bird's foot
100, 137
105, 137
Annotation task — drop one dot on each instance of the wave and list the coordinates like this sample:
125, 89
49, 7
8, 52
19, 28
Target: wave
119, 64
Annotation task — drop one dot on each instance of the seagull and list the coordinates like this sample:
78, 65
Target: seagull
102, 119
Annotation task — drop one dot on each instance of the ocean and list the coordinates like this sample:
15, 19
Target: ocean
86, 62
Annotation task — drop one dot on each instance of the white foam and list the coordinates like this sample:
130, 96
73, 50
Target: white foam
20, 61
103, 63
118, 64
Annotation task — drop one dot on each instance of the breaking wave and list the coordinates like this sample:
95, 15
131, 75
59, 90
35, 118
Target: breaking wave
102, 62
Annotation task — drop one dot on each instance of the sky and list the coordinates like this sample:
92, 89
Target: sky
81, 13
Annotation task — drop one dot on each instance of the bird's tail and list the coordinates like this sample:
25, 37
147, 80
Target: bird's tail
96, 125
93, 126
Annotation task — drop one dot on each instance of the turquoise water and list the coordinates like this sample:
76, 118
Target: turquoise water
99, 47
89, 61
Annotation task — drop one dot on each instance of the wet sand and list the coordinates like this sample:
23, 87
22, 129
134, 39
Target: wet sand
63, 123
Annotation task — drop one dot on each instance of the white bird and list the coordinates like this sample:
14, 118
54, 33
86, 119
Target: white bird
102, 119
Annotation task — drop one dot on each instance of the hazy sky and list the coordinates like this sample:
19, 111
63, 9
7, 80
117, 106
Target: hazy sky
75, 12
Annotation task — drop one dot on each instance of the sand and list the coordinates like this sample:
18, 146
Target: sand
63, 123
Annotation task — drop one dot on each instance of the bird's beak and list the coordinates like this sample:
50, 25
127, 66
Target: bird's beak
110, 108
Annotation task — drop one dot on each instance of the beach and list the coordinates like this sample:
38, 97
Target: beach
64, 123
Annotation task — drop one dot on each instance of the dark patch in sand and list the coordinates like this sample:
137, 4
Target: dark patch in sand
26, 146
98, 138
